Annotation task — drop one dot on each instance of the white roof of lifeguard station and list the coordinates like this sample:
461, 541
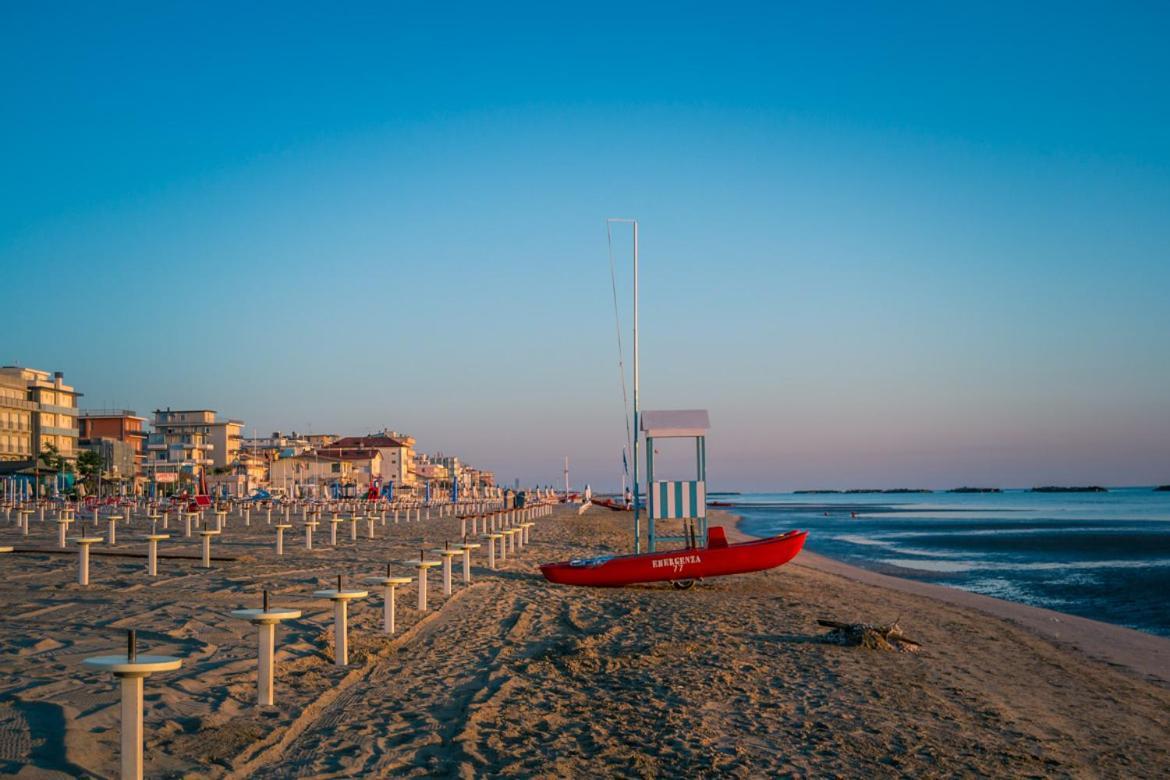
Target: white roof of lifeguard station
667, 423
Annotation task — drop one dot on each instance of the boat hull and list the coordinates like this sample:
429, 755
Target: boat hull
686, 564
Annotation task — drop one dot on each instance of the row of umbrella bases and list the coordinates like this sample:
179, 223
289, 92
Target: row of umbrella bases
505, 530
197, 523
128, 508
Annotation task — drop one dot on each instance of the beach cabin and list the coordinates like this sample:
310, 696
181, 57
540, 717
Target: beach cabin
684, 500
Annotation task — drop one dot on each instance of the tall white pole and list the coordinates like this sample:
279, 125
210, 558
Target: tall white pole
566, 477
637, 433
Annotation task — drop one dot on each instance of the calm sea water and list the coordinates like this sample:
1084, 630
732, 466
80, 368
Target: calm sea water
1101, 555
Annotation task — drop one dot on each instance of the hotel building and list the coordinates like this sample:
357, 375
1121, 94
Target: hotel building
397, 465
16, 421
191, 440
313, 473
48, 416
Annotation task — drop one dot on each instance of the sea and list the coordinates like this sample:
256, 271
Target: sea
1104, 556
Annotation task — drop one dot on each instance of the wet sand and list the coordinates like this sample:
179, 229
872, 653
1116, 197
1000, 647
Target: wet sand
512, 676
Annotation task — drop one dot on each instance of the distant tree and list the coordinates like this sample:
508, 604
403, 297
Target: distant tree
89, 464
54, 461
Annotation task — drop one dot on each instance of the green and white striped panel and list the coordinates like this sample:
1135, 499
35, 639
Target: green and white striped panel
671, 499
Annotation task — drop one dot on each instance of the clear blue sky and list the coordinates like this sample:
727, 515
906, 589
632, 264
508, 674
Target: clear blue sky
893, 245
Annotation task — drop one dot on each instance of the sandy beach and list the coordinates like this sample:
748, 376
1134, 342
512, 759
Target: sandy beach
512, 676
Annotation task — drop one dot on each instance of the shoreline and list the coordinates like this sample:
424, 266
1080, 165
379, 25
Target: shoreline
1145, 655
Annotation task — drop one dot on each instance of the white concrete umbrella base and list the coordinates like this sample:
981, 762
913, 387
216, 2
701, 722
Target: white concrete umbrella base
423, 567
132, 674
390, 583
207, 533
62, 528
447, 554
340, 599
280, 529
152, 541
266, 623
467, 548
492, 549
83, 557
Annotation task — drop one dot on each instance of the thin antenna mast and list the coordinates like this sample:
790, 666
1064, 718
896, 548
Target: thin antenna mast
637, 433
637, 429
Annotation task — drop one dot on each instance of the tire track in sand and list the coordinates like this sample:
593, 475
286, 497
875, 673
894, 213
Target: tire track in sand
280, 752
413, 711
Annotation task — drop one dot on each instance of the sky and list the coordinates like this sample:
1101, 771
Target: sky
885, 245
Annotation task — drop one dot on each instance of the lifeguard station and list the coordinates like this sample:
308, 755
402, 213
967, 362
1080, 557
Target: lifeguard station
684, 500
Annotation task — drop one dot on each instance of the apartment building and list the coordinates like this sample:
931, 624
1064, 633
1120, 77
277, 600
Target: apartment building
192, 440
119, 461
315, 473
121, 425
16, 421
396, 466
52, 418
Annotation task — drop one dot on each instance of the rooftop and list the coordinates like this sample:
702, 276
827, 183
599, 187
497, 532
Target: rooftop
366, 441
667, 423
109, 413
334, 453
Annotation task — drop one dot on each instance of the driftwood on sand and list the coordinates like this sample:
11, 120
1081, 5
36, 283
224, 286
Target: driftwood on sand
870, 636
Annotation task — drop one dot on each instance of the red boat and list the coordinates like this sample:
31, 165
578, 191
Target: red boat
683, 566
